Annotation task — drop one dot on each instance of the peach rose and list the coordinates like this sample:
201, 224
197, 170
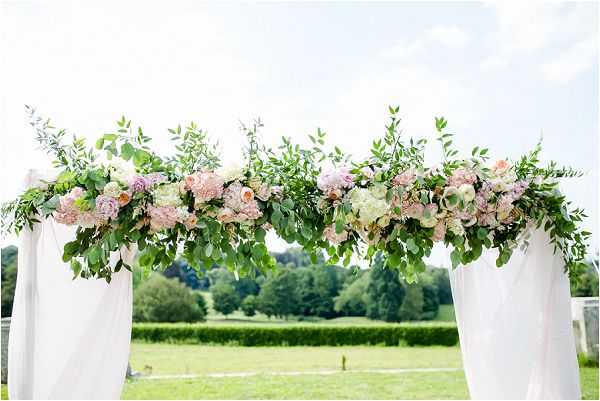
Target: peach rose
247, 194
500, 167
124, 198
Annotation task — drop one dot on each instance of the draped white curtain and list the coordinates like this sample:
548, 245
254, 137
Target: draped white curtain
515, 326
69, 339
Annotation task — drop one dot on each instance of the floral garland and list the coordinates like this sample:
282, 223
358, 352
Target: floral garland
185, 205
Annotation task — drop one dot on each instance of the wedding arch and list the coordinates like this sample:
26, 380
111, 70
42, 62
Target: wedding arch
489, 215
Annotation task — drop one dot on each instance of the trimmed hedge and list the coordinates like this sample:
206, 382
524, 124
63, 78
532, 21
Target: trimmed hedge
312, 335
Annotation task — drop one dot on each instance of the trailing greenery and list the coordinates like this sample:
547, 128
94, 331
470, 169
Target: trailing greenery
312, 335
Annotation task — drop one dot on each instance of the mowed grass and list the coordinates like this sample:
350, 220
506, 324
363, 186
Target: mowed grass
444, 385
167, 359
354, 383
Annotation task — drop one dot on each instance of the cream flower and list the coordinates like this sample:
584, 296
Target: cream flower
232, 172
112, 189
467, 192
167, 195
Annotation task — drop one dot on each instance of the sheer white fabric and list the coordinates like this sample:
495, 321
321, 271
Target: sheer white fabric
515, 326
69, 339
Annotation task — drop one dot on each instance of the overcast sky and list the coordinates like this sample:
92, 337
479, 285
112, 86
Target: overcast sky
501, 74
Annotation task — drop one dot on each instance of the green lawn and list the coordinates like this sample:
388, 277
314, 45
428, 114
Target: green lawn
445, 385
164, 359
293, 373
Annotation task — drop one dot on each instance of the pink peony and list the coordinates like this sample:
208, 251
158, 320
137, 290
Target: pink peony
335, 179
155, 178
139, 183
67, 212
462, 176
205, 186
162, 217
107, 207
405, 178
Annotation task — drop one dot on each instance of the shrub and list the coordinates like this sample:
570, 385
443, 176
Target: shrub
309, 335
201, 301
225, 299
160, 299
249, 305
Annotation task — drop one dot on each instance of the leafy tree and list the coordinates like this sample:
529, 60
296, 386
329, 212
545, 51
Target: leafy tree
442, 282
296, 257
201, 301
352, 299
9, 278
279, 296
249, 305
160, 299
413, 303
179, 269
385, 293
586, 285
225, 299
431, 303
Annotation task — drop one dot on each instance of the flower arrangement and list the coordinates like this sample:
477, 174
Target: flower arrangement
392, 203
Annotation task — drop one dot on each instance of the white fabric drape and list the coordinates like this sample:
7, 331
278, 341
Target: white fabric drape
69, 339
515, 326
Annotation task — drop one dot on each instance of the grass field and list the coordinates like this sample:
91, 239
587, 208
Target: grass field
228, 372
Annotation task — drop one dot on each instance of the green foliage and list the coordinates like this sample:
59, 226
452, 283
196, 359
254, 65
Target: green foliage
385, 293
413, 303
225, 299
160, 299
201, 302
586, 284
314, 335
352, 299
279, 294
249, 305
9, 278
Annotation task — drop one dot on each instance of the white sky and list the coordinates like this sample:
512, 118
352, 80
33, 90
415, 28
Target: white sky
500, 73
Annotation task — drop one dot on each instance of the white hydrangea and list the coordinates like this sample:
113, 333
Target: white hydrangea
121, 171
112, 189
232, 172
167, 195
368, 204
